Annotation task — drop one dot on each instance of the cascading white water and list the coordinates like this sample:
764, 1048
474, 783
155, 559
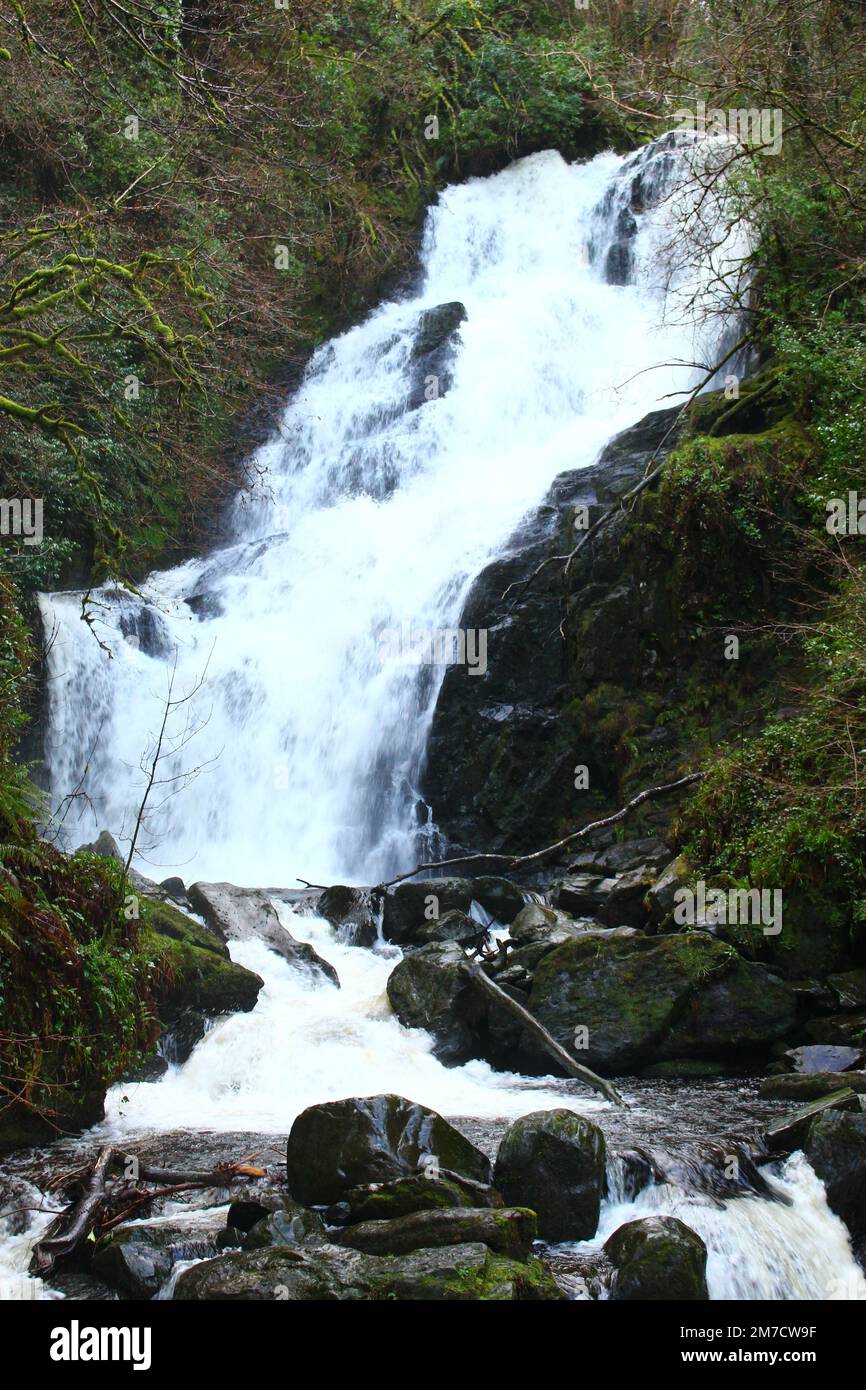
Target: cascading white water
587, 303
367, 517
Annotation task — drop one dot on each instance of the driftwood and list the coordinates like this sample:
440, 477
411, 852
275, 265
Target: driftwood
88, 1213
503, 1001
77, 1224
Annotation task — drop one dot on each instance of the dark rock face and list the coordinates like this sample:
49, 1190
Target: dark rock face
433, 352
455, 1273
658, 1257
240, 914
836, 1149
290, 1225
502, 748
553, 1161
509, 1231
346, 1143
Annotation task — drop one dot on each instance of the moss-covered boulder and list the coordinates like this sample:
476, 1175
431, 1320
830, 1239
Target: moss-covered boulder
345, 1143
192, 967
455, 1273
659, 1258
430, 989
553, 1161
805, 1086
649, 999
508, 1231
387, 1201
836, 1149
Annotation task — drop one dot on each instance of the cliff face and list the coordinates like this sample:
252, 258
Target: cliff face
667, 644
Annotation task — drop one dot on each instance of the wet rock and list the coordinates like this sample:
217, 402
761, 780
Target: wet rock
648, 851
137, 1260
836, 1149
452, 926
849, 988
411, 908
583, 895
253, 1204
182, 1036
352, 912
150, 1070
175, 888
658, 1257
104, 845
553, 1161
83, 1288
804, 1086
346, 1143
788, 1132
661, 898
389, 1200
549, 926
508, 1231
822, 1059
838, 1030
457, 1273
433, 352
430, 989
240, 914
290, 1225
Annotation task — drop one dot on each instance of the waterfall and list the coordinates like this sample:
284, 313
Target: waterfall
313, 643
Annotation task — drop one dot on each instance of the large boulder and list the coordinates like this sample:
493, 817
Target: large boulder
345, 1143
658, 1257
508, 1231
836, 1149
553, 1161
456, 1273
243, 914
649, 999
430, 989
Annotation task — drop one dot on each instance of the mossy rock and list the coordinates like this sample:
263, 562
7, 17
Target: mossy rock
455, 1273
553, 1161
658, 1258
389, 1200
193, 969
343, 1144
508, 1231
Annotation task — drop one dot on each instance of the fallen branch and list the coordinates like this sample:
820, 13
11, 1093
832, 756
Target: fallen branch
78, 1222
86, 1215
506, 1004
519, 861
